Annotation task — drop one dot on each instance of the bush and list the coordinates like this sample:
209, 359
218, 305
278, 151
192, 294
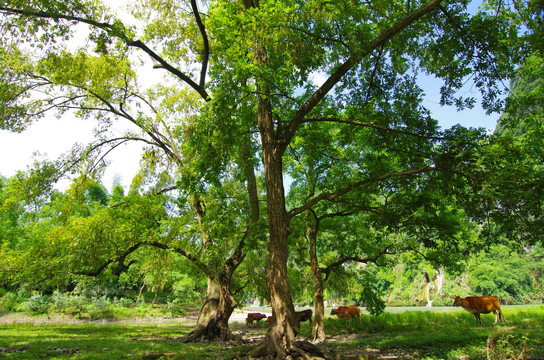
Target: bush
69, 304
100, 308
36, 305
123, 302
8, 302
504, 346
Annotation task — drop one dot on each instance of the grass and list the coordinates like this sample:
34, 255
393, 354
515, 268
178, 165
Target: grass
412, 334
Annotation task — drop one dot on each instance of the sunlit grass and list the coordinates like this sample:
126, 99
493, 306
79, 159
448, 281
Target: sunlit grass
430, 335
443, 335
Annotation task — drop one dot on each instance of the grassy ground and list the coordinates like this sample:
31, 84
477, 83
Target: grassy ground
403, 335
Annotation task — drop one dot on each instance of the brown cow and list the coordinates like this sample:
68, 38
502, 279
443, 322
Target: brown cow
254, 317
305, 315
347, 312
481, 305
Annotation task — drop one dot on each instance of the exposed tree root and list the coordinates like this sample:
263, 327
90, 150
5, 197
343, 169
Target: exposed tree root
300, 350
211, 334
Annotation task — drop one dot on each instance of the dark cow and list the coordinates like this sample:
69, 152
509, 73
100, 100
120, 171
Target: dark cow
305, 315
254, 317
481, 305
347, 312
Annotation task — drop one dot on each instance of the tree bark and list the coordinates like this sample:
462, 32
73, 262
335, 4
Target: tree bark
213, 319
280, 339
318, 327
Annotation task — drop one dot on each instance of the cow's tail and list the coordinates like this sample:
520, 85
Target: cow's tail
501, 316
499, 310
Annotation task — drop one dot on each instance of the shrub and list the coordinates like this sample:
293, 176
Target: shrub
8, 302
37, 304
123, 302
507, 346
100, 308
68, 304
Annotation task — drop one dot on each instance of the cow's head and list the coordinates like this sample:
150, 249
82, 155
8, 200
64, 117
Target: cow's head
457, 301
334, 311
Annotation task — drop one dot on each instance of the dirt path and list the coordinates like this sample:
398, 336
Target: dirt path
18, 318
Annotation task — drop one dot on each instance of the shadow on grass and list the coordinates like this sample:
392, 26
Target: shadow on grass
408, 335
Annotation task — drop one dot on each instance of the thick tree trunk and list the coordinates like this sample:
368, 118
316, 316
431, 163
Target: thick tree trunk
280, 339
213, 320
318, 328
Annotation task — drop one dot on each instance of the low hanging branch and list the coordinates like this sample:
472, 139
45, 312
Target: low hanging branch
133, 248
101, 268
364, 260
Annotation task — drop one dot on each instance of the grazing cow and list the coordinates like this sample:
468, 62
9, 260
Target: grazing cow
481, 305
254, 317
305, 315
347, 312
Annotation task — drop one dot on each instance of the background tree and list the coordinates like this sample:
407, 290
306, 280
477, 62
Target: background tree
101, 83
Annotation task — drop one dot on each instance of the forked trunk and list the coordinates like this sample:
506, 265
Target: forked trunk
280, 340
213, 319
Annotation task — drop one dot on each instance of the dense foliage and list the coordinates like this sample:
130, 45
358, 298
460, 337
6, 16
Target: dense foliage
512, 274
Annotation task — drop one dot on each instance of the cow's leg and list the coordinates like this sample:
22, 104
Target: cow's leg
478, 319
496, 315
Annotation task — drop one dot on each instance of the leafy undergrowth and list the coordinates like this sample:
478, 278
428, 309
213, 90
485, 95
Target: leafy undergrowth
411, 335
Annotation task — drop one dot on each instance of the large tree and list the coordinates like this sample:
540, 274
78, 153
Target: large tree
44, 74
263, 57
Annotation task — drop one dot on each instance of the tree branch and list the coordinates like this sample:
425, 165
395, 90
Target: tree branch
101, 268
165, 65
374, 126
347, 189
112, 30
351, 62
206, 50
370, 259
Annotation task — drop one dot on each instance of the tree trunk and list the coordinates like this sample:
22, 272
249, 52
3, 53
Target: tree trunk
213, 319
318, 328
280, 339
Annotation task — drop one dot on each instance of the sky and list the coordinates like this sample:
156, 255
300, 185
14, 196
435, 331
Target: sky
50, 137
